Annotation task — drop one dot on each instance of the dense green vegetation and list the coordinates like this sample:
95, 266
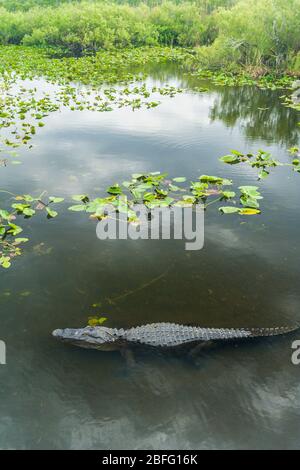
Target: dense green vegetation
256, 34
260, 33
23, 5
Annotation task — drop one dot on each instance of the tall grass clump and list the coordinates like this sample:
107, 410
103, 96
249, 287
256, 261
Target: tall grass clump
256, 33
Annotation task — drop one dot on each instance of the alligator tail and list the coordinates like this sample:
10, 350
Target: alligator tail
208, 334
281, 330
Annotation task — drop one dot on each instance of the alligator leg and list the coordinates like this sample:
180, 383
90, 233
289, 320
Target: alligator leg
196, 350
128, 355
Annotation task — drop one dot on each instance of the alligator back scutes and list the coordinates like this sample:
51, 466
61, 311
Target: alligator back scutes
172, 334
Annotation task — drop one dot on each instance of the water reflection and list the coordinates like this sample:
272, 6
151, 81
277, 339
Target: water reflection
259, 114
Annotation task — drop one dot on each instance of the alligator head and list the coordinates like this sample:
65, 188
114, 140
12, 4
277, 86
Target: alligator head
89, 337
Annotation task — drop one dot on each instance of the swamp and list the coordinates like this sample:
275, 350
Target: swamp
165, 105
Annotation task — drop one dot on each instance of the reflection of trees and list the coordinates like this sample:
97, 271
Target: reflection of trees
240, 105
260, 113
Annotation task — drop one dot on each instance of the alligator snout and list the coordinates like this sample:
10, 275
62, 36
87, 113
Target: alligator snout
57, 333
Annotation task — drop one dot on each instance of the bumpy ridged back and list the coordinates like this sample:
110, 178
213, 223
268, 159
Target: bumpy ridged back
276, 331
171, 334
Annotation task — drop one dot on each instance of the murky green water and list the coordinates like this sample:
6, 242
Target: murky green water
245, 396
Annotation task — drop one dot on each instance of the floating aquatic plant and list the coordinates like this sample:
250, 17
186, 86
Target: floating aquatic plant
263, 161
155, 190
26, 206
96, 320
249, 198
266, 82
23, 109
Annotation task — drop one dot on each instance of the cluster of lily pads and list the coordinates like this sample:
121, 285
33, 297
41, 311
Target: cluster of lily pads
23, 107
156, 190
263, 161
25, 206
22, 112
265, 82
152, 190
110, 67
288, 102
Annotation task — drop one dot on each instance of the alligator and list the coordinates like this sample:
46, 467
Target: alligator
162, 336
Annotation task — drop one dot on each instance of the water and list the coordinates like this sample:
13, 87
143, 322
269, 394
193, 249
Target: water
239, 396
